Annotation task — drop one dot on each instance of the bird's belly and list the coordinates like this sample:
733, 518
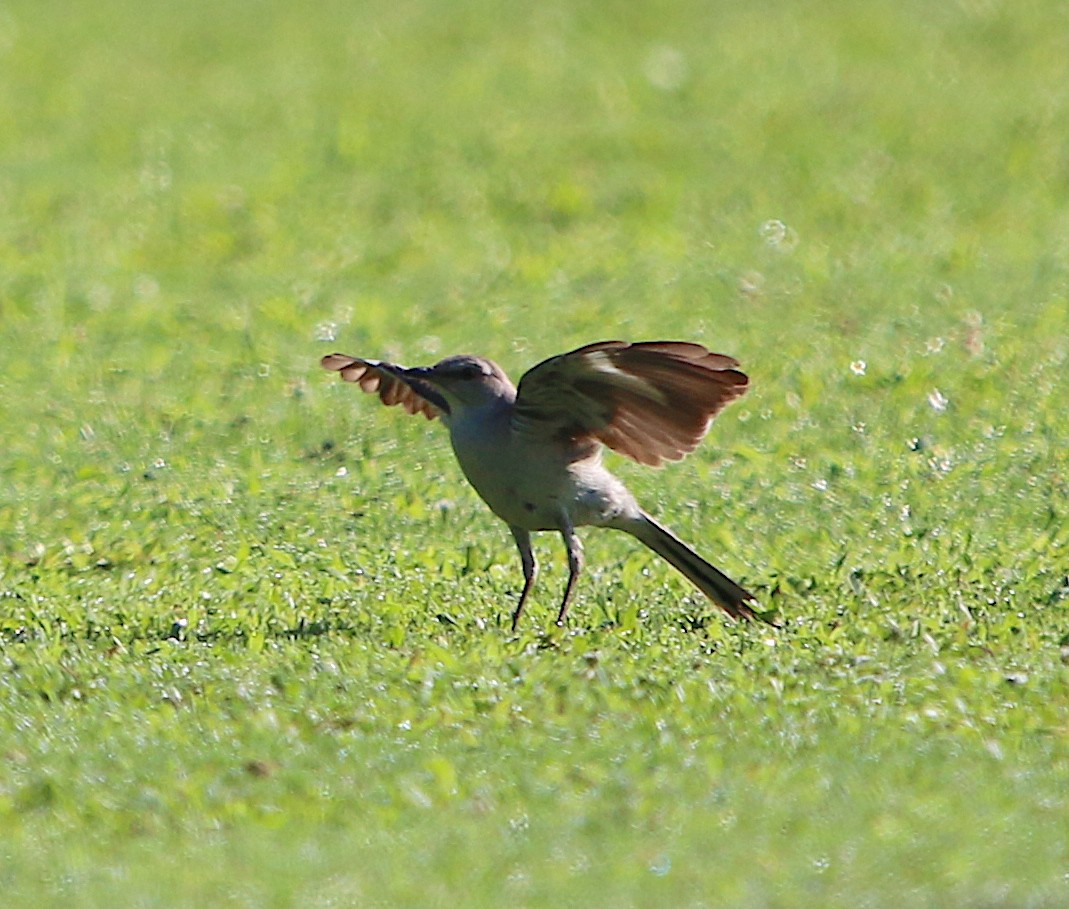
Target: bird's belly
519, 487
540, 487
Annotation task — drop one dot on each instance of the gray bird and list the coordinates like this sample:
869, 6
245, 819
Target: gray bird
533, 453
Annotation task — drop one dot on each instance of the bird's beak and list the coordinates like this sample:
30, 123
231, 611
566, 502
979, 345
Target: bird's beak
426, 373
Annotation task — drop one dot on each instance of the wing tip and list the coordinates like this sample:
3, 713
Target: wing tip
336, 361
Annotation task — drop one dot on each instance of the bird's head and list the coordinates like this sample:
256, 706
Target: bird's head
467, 381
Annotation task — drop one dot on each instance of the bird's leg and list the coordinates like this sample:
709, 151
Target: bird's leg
530, 569
575, 564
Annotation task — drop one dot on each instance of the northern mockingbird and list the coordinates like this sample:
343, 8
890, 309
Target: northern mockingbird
533, 453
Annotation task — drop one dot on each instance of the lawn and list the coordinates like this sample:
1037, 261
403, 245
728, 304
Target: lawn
254, 641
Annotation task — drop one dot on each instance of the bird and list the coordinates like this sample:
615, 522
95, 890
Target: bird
533, 452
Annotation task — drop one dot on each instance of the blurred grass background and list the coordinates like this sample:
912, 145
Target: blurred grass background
250, 622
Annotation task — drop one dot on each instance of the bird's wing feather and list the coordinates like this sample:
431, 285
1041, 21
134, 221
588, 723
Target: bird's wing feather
392, 383
651, 401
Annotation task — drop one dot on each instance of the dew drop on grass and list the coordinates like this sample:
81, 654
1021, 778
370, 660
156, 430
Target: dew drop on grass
778, 235
942, 464
661, 865
227, 565
773, 231
751, 283
519, 879
580, 863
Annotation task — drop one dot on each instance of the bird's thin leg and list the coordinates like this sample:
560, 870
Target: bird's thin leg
530, 569
575, 565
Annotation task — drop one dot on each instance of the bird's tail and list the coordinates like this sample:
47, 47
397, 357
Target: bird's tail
736, 601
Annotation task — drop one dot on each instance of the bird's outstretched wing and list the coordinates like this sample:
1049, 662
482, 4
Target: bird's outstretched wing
651, 401
392, 383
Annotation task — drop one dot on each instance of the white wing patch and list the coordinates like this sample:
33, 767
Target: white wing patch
600, 361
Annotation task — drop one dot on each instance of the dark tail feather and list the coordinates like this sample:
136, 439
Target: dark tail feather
736, 601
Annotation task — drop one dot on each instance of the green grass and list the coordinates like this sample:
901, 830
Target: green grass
233, 673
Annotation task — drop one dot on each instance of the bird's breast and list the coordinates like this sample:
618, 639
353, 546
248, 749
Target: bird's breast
533, 484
